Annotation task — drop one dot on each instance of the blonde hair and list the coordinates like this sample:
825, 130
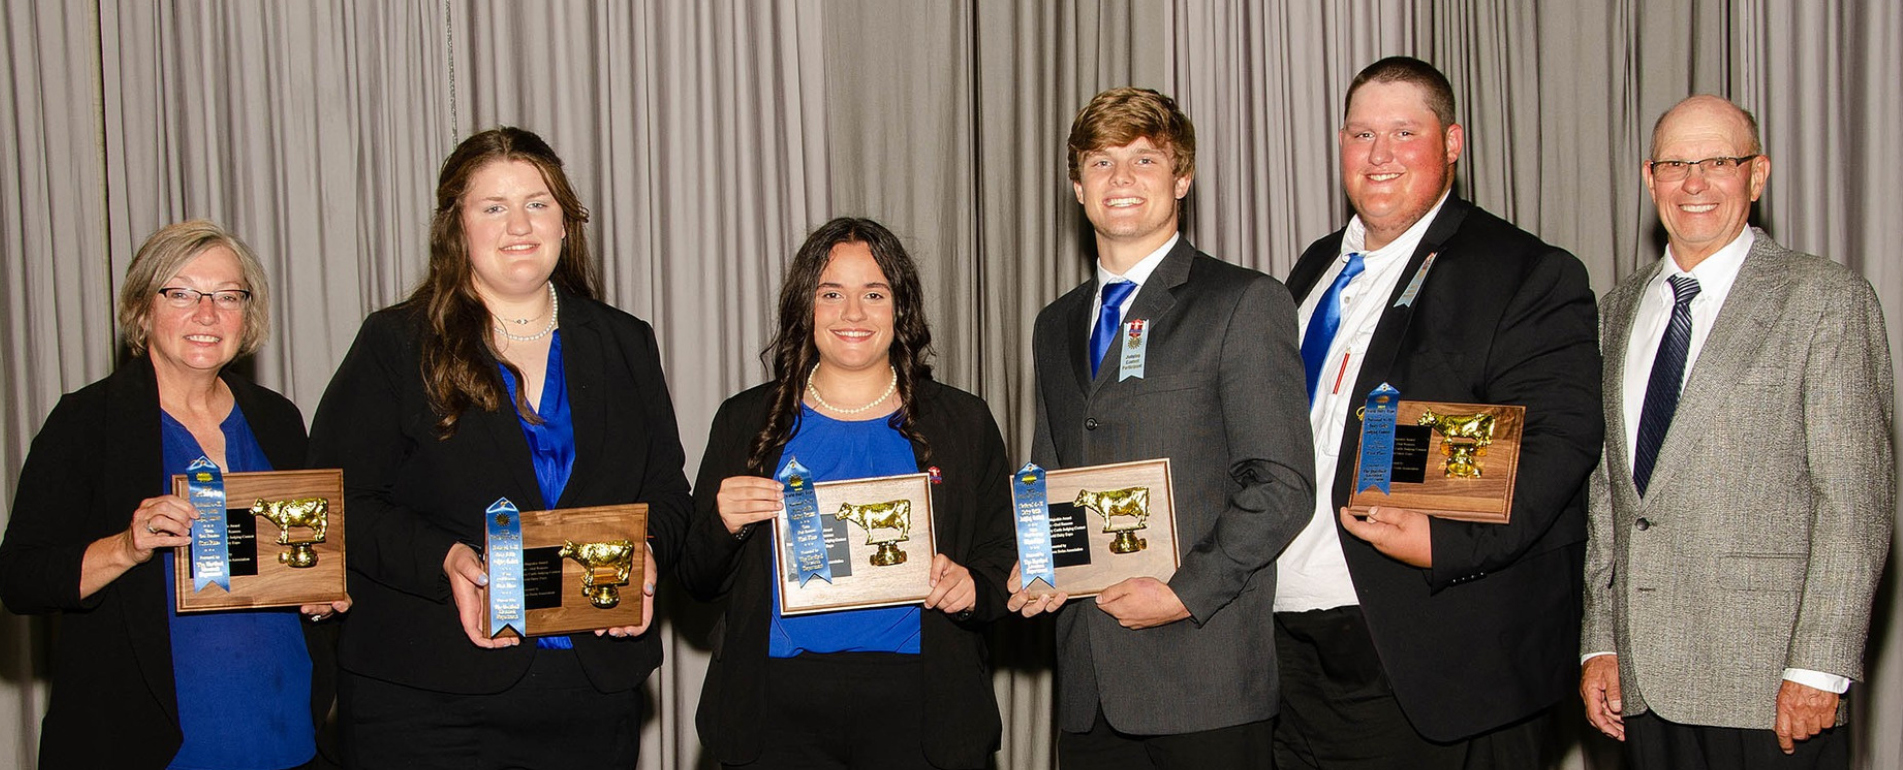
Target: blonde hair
168, 251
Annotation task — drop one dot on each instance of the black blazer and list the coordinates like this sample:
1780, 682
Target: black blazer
98, 455
973, 524
413, 495
1490, 634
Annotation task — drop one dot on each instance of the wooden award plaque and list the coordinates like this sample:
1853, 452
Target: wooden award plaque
555, 589
1093, 552
1446, 465
858, 581
261, 571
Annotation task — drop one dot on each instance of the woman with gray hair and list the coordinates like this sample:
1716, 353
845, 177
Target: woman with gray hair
135, 684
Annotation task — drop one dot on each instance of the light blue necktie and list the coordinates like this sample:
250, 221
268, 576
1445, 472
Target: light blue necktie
1109, 318
1325, 322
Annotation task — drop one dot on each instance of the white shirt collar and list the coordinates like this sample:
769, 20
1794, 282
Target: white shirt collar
1716, 273
1139, 272
1403, 247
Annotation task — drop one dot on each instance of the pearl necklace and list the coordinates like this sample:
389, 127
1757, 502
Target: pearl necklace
554, 315
889, 387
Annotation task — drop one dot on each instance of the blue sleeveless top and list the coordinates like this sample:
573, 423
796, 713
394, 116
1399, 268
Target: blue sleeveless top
551, 446
836, 450
244, 676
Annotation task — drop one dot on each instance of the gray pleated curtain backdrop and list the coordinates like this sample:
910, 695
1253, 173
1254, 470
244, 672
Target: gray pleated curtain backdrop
708, 137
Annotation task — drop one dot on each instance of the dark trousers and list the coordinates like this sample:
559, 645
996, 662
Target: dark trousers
1242, 747
842, 711
553, 718
1339, 710
1652, 743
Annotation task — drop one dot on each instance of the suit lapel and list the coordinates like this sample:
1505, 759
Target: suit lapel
510, 450
1077, 333
1620, 314
1746, 320
583, 352
1156, 297
1378, 364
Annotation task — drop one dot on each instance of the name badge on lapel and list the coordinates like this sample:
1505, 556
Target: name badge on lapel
1136, 345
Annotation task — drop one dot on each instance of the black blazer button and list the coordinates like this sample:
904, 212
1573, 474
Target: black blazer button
1642, 524
1090, 423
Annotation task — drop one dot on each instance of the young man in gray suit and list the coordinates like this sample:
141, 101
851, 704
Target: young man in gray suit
1742, 512
1178, 674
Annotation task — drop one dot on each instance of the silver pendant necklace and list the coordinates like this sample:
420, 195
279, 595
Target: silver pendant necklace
554, 316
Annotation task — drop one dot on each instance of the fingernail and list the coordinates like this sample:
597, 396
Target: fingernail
482, 580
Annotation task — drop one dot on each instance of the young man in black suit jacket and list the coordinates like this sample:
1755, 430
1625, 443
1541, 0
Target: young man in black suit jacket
1407, 640
1178, 674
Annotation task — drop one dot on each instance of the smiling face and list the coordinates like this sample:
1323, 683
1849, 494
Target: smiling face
1129, 194
201, 338
513, 228
853, 311
1706, 210
1397, 160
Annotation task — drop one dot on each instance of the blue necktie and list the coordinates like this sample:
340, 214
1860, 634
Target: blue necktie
1325, 322
1108, 320
1668, 372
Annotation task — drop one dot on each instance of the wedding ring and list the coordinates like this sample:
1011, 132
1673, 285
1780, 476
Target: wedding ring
151, 529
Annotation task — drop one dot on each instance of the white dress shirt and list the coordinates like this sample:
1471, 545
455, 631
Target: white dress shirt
1312, 573
1139, 273
1715, 276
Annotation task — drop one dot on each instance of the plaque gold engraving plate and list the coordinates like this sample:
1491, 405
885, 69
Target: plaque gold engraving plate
1452, 460
583, 569
285, 534
879, 545
1110, 523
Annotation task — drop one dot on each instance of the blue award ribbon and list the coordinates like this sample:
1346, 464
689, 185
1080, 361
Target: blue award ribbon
802, 517
1034, 527
504, 555
1377, 439
211, 554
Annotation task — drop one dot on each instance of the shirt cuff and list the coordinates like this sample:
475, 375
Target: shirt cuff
1818, 679
1591, 655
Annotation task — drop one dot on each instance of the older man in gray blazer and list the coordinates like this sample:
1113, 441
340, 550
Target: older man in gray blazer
1742, 510
1177, 674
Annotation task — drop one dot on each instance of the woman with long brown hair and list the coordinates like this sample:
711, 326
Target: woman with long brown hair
502, 375
852, 397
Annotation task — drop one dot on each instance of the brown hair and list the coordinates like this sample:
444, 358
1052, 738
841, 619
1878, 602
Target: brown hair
458, 355
168, 251
1120, 116
1435, 90
792, 354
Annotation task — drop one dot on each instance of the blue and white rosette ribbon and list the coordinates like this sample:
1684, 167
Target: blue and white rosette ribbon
507, 606
1377, 439
211, 553
806, 536
1034, 527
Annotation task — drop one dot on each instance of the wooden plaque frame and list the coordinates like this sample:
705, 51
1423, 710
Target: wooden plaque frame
276, 584
1159, 559
545, 529
867, 586
1488, 499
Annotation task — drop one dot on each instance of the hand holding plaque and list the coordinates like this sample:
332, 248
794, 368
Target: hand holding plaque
1112, 522
1449, 460
230, 564
564, 571
853, 544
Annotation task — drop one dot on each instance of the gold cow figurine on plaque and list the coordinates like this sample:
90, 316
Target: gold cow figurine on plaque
1464, 439
604, 566
1132, 504
312, 513
895, 515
